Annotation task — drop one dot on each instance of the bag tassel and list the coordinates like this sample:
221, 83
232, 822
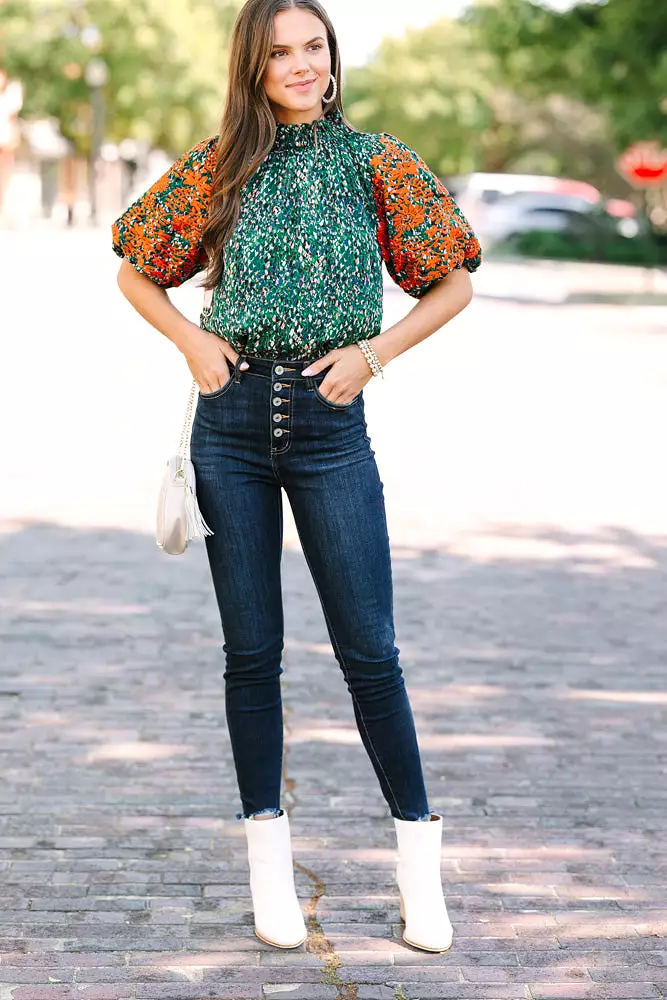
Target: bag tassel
196, 525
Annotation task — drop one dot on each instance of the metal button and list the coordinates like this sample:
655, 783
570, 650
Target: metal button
277, 433
277, 386
277, 417
277, 401
279, 369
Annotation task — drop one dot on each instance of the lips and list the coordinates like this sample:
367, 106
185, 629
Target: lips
302, 83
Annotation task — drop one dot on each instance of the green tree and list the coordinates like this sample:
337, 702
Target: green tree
609, 54
166, 61
431, 88
444, 92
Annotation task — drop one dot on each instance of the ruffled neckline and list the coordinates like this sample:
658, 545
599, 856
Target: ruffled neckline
304, 134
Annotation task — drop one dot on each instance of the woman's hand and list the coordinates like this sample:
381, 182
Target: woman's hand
349, 372
207, 356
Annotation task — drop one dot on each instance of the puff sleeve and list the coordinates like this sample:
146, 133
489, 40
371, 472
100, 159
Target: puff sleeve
422, 233
160, 233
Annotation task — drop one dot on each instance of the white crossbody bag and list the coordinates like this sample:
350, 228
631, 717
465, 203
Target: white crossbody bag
179, 519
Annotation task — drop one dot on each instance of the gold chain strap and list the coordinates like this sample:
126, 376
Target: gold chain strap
186, 433
184, 446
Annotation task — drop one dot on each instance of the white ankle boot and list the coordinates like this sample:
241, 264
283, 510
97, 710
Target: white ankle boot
278, 917
423, 907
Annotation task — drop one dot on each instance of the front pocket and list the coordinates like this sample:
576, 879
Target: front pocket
331, 404
223, 388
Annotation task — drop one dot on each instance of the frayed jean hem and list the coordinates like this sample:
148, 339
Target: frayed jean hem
278, 812
262, 812
426, 818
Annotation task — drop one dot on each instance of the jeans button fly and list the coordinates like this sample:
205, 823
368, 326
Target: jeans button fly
277, 400
277, 386
279, 369
277, 417
278, 433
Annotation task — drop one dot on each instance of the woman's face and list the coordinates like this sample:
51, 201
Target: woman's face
300, 56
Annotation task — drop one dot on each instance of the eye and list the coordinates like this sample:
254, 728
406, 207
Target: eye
317, 46
279, 52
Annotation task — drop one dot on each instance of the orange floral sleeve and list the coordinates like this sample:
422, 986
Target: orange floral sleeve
160, 234
422, 233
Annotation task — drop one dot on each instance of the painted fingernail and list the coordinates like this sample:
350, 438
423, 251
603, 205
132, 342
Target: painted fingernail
307, 371
244, 364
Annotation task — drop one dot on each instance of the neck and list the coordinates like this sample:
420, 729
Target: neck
288, 117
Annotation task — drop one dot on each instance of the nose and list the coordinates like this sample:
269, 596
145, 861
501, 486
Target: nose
301, 65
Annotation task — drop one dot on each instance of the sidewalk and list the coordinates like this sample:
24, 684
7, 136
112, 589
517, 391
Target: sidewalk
564, 283
540, 700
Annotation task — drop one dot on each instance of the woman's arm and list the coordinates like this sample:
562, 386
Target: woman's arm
204, 352
348, 368
428, 248
159, 238
446, 299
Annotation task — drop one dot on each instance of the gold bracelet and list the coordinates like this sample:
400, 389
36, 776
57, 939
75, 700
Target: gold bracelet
371, 357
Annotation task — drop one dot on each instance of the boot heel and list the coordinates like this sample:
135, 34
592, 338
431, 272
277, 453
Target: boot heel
277, 944
401, 905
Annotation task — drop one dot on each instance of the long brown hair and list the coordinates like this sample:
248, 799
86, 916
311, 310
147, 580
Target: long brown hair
248, 126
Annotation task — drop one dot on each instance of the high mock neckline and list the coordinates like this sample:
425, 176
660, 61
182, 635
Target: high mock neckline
302, 134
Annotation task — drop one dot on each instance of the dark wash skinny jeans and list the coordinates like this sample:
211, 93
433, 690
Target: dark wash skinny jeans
267, 429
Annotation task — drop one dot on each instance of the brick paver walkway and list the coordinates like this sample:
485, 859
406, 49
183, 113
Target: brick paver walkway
539, 690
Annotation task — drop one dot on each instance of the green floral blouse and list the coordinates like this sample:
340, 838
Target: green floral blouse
303, 266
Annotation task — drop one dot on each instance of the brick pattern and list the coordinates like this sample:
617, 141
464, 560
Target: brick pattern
540, 700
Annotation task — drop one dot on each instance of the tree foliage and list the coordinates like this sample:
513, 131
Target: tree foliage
449, 96
166, 61
609, 54
424, 88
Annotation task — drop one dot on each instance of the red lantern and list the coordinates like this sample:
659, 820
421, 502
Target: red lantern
643, 165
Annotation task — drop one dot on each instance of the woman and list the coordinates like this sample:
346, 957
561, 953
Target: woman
292, 212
